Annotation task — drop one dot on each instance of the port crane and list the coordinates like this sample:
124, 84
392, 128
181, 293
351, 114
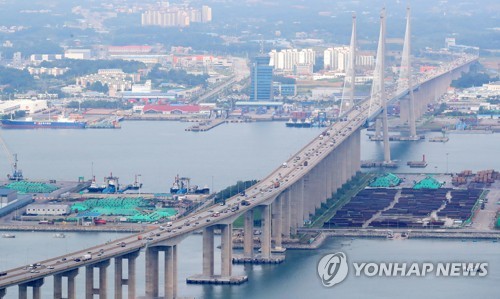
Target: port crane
17, 174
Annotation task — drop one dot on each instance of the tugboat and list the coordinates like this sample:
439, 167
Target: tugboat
136, 185
112, 185
182, 186
94, 188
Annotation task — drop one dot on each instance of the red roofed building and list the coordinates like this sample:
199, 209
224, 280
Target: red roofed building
170, 109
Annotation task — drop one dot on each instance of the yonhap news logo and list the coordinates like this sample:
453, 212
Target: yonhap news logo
333, 269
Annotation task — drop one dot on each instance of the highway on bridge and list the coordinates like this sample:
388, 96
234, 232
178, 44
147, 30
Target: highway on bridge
264, 191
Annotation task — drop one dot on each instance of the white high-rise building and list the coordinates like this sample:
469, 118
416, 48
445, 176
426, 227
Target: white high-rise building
336, 59
206, 14
287, 60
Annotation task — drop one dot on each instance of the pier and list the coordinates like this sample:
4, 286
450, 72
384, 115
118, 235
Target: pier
205, 126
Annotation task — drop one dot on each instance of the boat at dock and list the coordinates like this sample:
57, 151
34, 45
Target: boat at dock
94, 187
182, 185
29, 123
299, 123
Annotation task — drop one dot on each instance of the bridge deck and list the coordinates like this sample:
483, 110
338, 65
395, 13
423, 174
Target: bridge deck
261, 193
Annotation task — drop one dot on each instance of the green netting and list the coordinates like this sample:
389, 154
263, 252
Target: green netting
428, 183
388, 180
31, 187
134, 209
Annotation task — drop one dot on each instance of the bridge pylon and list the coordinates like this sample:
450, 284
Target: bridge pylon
347, 101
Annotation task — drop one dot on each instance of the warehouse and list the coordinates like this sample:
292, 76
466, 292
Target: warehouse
48, 210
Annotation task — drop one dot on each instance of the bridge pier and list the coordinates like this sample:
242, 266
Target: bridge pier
277, 226
286, 214
71, 284
226, 250
208, 276
208, 251
248, 235
297, 205
90, 291
294, 208
130, 281
152, 271
170, 278
265, 240
36, 288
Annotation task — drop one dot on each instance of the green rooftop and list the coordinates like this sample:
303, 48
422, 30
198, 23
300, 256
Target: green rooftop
428, 183
386, 181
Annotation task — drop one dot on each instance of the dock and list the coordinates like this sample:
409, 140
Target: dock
216, 279
397, 138
439, 139
373, 164
205, 126
258, 259
418, 164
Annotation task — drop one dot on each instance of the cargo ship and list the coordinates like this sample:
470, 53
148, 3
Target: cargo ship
182, 186
29, 123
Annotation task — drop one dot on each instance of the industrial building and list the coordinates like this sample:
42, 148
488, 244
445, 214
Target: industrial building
27, 105
48, 210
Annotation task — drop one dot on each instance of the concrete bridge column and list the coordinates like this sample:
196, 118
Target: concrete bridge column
334, 169
286, 214
36, 288
306, 196
294, 208
349, 154
58, 282
343, 163
208, 251
152, 272
329, 175
358, 150
226, 250
130, 280
89, 280
276, 226
174, 265
170, 272
248, 235
266, 232
320, 180
300, 201
58, 286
